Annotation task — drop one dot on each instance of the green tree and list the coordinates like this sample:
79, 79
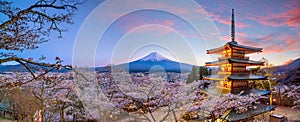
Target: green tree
198, 73
193, 75
203, 71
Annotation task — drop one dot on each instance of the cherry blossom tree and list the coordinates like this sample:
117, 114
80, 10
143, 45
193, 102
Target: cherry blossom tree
293, 91
117, 95
26, 28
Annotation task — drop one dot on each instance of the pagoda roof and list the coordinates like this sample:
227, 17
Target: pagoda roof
235, 45
231, 115
235, 60
250, 91
236, 76
246, 91
246, 76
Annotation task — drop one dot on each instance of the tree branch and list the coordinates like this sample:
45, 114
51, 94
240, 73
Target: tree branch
31, 72
29, 10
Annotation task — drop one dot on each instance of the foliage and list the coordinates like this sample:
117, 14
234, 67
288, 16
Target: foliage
193, 75
203, 71
198, 73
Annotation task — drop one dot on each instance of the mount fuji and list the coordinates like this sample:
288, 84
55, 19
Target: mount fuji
156, 62
154, 56
151, 62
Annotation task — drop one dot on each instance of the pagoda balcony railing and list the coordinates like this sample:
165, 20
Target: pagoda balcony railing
224, 72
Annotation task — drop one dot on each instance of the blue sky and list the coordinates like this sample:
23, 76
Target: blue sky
171, 29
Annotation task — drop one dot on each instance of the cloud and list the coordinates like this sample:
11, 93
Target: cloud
288, 62
290, 17
129, 23
226, 20
153, 29
239, 36
226, 38
273, 43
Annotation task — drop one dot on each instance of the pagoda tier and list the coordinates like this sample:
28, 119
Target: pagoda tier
235, 60
221, 90
236, 76
242, 49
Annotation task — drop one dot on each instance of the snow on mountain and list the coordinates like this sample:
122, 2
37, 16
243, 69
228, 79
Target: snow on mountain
154, 59
154, 56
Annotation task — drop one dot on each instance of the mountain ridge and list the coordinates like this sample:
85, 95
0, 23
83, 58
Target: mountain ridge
156, 62
289, 70
151, 62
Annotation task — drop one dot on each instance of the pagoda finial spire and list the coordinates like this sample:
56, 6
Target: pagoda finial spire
232, 27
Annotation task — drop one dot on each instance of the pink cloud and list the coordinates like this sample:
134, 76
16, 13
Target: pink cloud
168, 23
272, 43
226, 38
289, 61
202, 11
281, 43
289, 18
242, 34
227, 20
246, 41
131, 23
269, 44
154, 29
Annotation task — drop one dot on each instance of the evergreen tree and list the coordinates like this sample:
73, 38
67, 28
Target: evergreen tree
203, 71
198, 73
193, 76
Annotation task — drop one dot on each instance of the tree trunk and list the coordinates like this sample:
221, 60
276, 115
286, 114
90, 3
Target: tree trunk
174, 116
279, 95
61, 113
74, 117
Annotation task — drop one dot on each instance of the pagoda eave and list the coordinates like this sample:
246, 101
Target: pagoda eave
222, 90
247, 49
235, 76
215, 51
242, 76
218, 50
234, 45
231, 115
234, 60
250, 62
250, 91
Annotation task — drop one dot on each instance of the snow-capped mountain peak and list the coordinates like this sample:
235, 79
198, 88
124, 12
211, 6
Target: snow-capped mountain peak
154, 56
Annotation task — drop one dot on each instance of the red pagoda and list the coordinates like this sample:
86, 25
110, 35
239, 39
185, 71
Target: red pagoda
233, 75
